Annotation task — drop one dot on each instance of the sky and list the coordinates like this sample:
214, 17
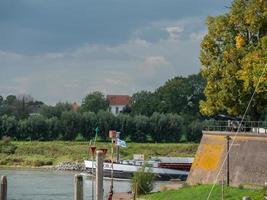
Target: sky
62, 50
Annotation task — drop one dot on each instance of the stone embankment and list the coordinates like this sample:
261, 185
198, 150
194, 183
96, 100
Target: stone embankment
247, 159
70, 166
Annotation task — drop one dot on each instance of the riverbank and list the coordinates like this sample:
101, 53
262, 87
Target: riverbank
46, 154
201, 192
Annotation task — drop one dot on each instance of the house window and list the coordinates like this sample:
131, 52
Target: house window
117, 110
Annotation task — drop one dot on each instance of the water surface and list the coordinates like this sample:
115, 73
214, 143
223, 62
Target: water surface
50, 185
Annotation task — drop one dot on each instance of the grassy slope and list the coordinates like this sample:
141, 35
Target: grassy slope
50, 153
201, 192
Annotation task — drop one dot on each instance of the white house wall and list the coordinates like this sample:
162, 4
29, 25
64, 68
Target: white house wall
113, 109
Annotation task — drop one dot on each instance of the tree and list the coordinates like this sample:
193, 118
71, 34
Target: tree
10, 99
88, 124
181, 95
143, 103
141, 130
233, 56
54, 128
94, 102
20, 106
60, 108
3, 106
106, 122
124, 124
9, 126
54, 111
166, 127
194, 130
24, 129
48, 111
37, 127
71, 122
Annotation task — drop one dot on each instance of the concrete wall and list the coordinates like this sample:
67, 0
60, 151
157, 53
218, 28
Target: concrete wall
248, 159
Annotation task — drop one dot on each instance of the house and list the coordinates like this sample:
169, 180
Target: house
118, 102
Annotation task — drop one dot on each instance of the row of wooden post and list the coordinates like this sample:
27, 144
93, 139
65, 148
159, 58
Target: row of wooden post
78, 180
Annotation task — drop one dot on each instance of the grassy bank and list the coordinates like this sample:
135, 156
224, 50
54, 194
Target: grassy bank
201, 192
36, 154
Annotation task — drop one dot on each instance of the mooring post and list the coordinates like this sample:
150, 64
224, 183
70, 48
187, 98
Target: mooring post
99, 175
78, 187
3, 189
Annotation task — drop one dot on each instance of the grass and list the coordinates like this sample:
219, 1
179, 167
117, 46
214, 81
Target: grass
200, 192
36, 154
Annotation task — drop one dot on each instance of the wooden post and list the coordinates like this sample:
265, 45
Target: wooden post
99, 175
228, 138
3, 189
78, 187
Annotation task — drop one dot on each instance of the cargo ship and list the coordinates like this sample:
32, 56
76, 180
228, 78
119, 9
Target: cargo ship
164, 168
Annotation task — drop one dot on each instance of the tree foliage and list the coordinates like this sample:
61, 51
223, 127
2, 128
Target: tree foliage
143, 103
233, 56
94, 102
181, 95
151, 116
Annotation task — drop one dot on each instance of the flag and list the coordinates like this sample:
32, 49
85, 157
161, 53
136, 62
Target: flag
121, 143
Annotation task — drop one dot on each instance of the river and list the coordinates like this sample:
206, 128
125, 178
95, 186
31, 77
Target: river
52, 185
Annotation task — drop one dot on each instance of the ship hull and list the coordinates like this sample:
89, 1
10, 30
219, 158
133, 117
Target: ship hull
124, 171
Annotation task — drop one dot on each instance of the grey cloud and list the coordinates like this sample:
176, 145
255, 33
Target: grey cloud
34, 26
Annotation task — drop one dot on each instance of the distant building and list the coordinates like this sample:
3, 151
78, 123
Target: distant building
75, 107
118, 102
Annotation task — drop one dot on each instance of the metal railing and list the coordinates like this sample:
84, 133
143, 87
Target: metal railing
257, 127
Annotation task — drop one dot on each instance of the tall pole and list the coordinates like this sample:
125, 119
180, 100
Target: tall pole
99, 175
228, 138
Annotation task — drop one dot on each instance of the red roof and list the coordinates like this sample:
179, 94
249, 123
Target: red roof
118, 99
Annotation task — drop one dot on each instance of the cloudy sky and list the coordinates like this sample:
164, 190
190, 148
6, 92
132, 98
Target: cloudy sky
61, 50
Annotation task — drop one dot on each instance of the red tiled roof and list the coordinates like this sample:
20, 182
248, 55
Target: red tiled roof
118, 99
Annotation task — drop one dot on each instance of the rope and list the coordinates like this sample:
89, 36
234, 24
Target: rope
234, 137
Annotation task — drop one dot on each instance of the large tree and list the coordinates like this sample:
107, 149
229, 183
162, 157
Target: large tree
94, 102
143, 103
233, 57
181, 95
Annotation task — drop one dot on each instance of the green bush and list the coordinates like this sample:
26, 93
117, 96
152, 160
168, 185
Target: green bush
142, 181
6, 146
80, 137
